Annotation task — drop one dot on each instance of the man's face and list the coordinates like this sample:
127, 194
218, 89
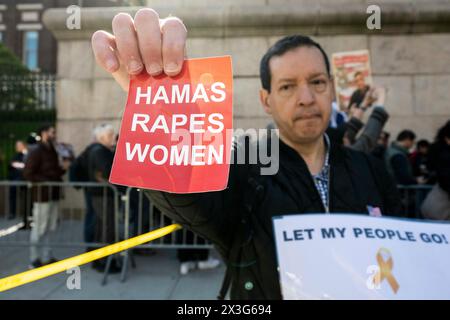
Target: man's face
360, 82
108, 139
408, 144
423, 150
49, 135
20, 146
301, 95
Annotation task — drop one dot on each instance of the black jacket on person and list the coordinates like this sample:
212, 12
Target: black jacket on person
99, 164
439, 164
398, 165
238, 220
16, 174
42, 165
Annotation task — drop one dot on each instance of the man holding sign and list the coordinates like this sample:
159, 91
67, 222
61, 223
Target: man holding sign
316, 174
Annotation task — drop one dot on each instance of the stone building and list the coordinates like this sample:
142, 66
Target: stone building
410, 55
22, 31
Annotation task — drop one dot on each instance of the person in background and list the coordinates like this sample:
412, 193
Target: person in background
31, 143
419, 159
397, 159
382, 145
78, 172
366, 141
360, 93
398, 165
43, 165
16, 166
337, 117
100, 161
436, 206
438, 162
65, 152
191, 259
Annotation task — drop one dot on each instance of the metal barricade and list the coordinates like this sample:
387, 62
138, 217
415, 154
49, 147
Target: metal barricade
142, 216
21, 201
133, 214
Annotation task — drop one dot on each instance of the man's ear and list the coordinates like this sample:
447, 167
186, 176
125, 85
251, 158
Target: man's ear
264, 99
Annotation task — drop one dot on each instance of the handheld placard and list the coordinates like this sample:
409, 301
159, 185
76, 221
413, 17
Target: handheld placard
175, 134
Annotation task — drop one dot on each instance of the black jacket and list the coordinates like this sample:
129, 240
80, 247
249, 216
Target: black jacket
99, 162
16, 174
42, 165
238, 220
439, 164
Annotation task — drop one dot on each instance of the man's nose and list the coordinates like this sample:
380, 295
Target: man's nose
305, 96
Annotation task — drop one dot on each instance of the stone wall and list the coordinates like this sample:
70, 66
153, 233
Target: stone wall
410, 55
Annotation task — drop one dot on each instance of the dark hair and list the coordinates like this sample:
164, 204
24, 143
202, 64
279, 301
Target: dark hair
31, 138
44, 128
422, 144
406, 135
443, 132
281, 47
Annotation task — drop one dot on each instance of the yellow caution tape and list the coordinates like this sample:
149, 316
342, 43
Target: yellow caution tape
60, 266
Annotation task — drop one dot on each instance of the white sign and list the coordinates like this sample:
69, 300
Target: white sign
346, 256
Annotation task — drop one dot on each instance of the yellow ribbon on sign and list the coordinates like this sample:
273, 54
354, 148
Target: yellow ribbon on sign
60, 266
385, 270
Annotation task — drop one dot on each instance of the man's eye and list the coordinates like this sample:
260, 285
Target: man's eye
286, 87
319, 85
318, 82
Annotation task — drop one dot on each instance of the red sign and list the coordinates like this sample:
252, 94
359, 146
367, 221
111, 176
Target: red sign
175, 134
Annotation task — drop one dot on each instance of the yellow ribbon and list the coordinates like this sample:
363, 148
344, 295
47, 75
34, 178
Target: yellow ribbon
60, 266
385, 271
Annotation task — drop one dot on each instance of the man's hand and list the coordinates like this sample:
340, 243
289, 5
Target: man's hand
421, 180
368, 99
379, 96
375, 96
357, 113
147, 42
66, 164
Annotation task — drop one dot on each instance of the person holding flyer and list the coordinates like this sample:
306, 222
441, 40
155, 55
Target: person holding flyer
315, 175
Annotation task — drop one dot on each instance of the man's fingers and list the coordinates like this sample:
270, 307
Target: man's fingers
103, 45
158, 45
148, 31
174, 35
127, 44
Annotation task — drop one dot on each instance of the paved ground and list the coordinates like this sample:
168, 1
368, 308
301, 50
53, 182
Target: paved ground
156, 277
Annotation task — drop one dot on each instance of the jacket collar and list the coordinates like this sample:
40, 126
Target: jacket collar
398, 147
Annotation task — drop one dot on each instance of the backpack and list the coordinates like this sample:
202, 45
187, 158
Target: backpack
78, 170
